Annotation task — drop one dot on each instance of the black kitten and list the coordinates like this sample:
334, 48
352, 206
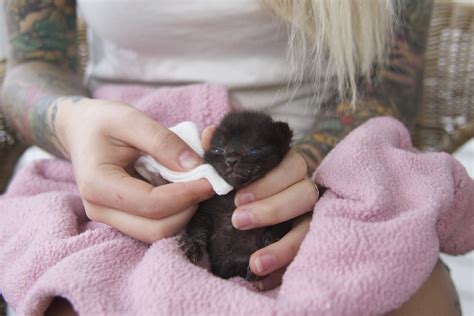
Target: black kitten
245, 146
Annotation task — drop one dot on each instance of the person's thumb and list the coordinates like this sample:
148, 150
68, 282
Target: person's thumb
158, 141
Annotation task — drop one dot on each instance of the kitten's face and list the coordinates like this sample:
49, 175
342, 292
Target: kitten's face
246, 145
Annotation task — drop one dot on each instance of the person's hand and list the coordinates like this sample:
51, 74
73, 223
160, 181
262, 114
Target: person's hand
284, 193
103, 139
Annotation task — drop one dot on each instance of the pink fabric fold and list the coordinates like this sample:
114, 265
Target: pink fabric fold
374, 238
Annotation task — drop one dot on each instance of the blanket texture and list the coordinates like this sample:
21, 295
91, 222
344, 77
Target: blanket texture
374, 239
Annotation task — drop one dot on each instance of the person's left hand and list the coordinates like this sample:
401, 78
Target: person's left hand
282, 194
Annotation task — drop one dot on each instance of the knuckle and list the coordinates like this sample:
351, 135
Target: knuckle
127, 114
270, 215
87, 190
300, 165
288, 247
92, 213
293, 248
163, 139
193, 197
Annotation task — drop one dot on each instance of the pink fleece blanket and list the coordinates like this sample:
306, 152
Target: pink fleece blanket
374, 238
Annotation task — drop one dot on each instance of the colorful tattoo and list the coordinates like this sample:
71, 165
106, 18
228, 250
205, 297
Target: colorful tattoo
42, 30
32, 95
43, 124
397, 94
42, 63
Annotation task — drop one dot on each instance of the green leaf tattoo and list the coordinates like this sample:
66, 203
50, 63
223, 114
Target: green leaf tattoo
42, 30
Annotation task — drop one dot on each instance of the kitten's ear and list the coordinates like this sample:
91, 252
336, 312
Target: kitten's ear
283, 134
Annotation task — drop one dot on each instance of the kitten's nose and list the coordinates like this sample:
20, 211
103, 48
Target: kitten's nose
230, 161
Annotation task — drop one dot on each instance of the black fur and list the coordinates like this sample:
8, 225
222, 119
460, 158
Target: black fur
245, 146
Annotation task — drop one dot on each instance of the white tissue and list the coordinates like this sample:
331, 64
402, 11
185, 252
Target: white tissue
148, 167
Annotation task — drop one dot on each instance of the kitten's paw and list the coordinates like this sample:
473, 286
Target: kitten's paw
192, 249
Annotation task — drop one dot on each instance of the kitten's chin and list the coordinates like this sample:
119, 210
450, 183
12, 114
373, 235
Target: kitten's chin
236, 180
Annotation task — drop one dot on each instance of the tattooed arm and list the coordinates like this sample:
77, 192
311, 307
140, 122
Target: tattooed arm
42, 68
45, 101
397, 94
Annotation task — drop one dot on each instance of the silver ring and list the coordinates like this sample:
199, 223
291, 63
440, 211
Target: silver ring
315, 186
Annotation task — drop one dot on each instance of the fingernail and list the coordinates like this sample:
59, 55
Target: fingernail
188, 160
265, 262
244, 198
241, 219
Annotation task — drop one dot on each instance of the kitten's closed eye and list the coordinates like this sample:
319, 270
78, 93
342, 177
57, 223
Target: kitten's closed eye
256, 151
247, 145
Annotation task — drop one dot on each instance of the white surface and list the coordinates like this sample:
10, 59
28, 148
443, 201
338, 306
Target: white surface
462, 267
10, 311
232, 42
149, 168
31, 154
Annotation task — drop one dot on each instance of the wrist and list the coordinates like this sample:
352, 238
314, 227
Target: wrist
64, 115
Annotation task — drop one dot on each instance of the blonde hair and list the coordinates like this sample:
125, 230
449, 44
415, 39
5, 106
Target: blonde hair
334, 43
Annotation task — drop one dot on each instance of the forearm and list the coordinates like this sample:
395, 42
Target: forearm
396, 93
42, 68
32, 94
335, 123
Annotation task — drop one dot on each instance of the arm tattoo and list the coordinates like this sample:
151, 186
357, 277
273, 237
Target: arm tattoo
397, 94
42, 30
42, 57
32, 93
43, 124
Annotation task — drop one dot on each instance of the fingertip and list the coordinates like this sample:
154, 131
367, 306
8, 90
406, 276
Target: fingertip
252, 261
206, 136
242, 220
243, 198
263, 262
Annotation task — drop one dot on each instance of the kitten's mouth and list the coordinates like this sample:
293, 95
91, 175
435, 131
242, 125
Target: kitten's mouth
236, 178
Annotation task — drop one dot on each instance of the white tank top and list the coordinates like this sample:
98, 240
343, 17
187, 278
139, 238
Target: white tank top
236, 43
